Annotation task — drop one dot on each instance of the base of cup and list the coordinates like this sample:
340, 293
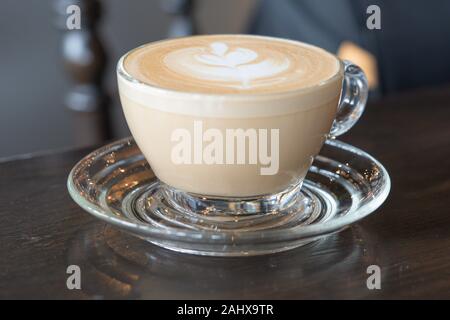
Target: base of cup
237, 214
232, 206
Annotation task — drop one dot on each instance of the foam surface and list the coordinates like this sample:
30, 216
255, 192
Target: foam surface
231, 64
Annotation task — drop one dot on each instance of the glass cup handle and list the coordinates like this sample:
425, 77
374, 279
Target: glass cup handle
353, 99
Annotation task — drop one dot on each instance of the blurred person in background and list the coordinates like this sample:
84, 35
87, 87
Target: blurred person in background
410, 50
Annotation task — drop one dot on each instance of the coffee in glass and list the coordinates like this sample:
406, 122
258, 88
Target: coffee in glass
230, 124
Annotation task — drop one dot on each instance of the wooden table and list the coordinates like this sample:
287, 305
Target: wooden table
42, 231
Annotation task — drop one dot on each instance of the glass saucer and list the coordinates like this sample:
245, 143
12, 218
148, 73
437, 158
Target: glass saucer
116, 184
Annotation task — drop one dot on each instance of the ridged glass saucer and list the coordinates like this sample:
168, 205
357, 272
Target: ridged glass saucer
116, 184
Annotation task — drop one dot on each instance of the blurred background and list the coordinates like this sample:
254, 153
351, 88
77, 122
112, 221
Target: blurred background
58, 86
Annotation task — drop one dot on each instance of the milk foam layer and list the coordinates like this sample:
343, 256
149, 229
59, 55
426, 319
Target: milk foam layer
231, 64
144, 78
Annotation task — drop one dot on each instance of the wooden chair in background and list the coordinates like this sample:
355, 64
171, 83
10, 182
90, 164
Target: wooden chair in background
85, 61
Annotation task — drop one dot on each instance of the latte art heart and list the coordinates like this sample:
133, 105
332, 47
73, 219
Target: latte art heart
236, 67
230, 64
221, 56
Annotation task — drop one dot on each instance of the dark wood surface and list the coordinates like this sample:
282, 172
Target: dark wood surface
42, 230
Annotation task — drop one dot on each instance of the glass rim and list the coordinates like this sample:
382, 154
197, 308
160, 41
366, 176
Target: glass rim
128, 78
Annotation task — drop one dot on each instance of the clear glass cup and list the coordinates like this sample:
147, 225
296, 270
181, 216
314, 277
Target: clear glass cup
304, 118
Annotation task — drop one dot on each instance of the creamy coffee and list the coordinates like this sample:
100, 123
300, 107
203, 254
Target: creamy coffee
186, 99
230, 64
